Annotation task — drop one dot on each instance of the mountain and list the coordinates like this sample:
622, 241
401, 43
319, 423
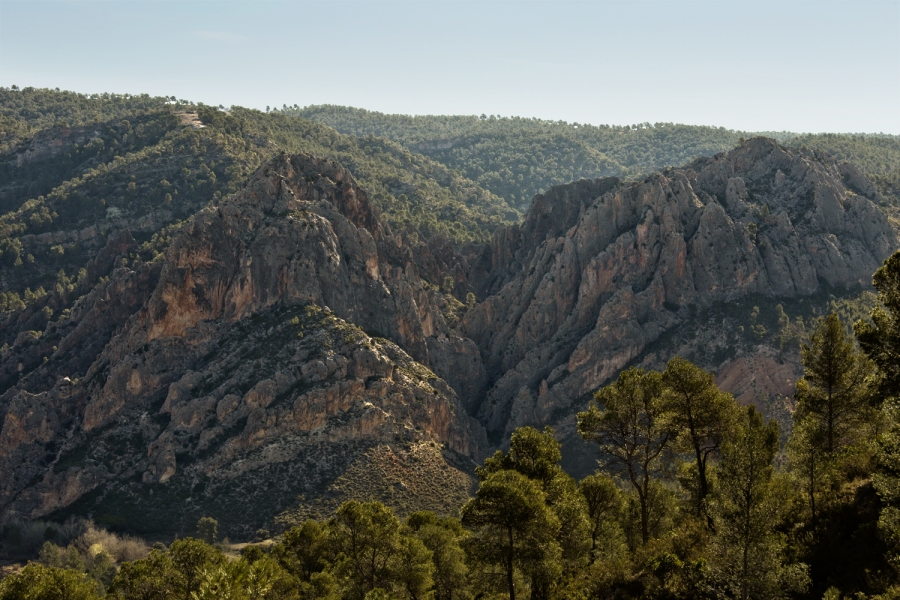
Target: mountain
231, 370
75, 169
517, 158
605, 274
285, 345
206, 310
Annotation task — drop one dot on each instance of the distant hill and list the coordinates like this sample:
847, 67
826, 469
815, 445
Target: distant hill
517, 158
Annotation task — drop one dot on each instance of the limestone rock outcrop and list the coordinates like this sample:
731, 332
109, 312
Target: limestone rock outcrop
243, 369
287, 340
600, 270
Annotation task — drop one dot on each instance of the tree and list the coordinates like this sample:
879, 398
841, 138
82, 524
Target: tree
887, 483
442, 537
414, 568
190, 560
604, 502
633, 430
304, 550
38, 582
208, 530
373, 552
834, 388
880, 340
470, 300
808, 459
701, 414
513, 526
747, 553
151, 578
536, 455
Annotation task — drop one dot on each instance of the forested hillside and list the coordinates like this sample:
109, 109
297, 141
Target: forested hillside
74, 168
517, 157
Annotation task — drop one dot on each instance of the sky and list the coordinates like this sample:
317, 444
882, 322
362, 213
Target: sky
760, 65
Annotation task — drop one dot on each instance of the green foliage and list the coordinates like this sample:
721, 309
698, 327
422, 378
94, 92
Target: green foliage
887, 484
749, 556
39, 582
517, 158
531, 532
470, 300
604, 504
513, 528
443, 537
208, 530
633, 430
536, 455
191, 561
702, 416
123, 159
875, 154
880, 339
835, 387
374, 552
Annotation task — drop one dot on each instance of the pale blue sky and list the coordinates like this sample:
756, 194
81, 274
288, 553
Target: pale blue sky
757, 65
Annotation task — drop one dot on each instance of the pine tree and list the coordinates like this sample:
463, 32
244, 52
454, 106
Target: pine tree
513, 527
748, 554
702, 415
835, 388
880, 340
633, 430
887, 484
374, 551
604, 502
536, 455
809, 460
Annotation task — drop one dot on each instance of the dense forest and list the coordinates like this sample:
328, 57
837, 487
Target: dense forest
517, 157
694, 497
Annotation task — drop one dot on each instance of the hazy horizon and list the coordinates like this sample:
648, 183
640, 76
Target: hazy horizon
747, 66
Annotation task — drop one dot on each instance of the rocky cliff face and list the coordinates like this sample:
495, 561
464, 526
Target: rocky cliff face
240, 375
600, 271
288, 346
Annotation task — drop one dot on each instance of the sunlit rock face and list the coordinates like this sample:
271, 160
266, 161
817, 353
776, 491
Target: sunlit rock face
247, 370
288, 342
600, 271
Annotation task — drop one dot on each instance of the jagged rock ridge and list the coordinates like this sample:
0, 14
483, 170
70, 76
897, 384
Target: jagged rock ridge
599, 270
287, 338
240, 377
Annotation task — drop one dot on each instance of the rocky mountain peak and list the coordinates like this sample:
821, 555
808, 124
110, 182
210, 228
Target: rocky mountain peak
612, 266
257, 345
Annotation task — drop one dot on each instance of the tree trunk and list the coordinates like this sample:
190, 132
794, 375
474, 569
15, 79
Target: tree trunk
745, 592
509, 566
812, 486
703, 484
645, 513
830, 428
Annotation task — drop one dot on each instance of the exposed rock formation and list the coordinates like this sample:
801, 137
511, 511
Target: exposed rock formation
242, 365
287, 339
600, 270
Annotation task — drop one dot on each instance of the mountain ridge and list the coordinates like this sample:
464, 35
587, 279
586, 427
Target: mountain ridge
293, 309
